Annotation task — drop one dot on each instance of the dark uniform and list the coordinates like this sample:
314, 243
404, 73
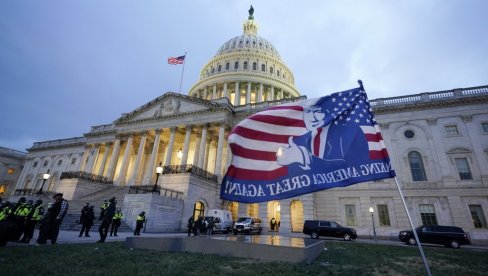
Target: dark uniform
54, 218
108, 214
20, 214
88, 218
141, 219
116, 221
35, 216
190, 225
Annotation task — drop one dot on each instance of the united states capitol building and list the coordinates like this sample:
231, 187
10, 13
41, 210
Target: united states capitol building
437, 141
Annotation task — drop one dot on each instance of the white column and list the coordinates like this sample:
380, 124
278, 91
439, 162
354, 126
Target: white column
140, 152
23, 174
152, 161
248, 93
197, 150
272, 93
237, 98
104, 159
281, 94
113, 160
125, 161
84, 158
205, 93
220, 145
201, 150
93, 160
214, 92
169, 153
186, 146
226, 94
260, 93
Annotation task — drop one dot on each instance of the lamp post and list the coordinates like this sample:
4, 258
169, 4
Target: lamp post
159, 170
371, 210
44, 178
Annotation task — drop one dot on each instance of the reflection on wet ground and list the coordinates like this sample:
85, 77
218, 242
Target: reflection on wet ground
269, 240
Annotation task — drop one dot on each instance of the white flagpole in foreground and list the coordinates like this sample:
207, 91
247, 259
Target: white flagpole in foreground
427, 269
182, 71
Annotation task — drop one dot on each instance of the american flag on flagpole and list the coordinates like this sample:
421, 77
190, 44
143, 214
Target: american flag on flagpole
176, 60
320, 136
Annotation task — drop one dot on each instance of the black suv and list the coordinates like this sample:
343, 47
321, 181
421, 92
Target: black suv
317, 228
451, 236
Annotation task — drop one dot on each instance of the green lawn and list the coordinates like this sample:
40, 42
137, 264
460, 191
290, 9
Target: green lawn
340, 258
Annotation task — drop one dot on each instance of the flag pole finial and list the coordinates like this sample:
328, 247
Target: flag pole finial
361, 84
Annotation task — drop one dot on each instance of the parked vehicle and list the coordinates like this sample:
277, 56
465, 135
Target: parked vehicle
318, 228
248, 225
450, 236
222, 219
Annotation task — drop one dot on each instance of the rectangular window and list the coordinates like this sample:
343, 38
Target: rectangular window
452, 130
427, 213
463, 168
351, 215
11, 171
73, 161
383, 215
478, 216
484, 127
45, 163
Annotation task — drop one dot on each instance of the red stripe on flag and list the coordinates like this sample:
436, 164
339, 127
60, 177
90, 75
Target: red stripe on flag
316, 143
244, 174
378, 154
293, 107
252, 154
372, 137
259, 135
275, 120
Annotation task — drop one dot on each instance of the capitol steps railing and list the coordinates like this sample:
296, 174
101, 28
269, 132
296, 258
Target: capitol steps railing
146, 189
86, 176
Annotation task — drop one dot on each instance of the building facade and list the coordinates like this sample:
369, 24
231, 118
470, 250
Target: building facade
11, 166
437, 142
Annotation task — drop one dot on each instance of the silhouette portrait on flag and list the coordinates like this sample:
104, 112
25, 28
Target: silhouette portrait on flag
324, 144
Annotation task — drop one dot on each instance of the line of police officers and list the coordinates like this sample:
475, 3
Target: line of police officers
18, 221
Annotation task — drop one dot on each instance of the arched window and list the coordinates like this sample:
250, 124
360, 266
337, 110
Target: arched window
213, 70
236, 65
263, 67
220, 68
271, 70
254, 66
278, 73
245, 65
416, 166
227, 66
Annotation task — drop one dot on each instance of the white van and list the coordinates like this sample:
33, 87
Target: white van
248, 225
222, 218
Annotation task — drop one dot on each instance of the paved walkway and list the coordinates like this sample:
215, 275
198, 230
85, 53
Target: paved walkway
72, 237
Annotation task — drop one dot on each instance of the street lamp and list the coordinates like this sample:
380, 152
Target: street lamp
371, 210
159, 170
44, 178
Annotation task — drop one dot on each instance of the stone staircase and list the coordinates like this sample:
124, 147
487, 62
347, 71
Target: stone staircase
71, 220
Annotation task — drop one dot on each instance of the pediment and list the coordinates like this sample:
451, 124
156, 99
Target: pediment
169, 104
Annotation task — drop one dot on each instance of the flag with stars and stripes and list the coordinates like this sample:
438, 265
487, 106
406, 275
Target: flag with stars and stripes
304, 147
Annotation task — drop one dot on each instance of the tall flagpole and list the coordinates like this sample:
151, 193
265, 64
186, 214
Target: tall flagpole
427, 269
182, 71
413, 229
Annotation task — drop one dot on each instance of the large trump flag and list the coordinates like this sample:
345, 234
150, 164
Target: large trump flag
304, 147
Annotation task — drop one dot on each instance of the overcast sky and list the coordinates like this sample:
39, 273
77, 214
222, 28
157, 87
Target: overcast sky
68, 65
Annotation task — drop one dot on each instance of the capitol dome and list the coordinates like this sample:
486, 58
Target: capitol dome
247, 69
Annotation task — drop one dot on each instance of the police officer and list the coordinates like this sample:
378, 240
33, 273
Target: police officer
88, 218
35, 216
20, 214
103, 208
141, 219
5, 211
116, 220
108, 214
